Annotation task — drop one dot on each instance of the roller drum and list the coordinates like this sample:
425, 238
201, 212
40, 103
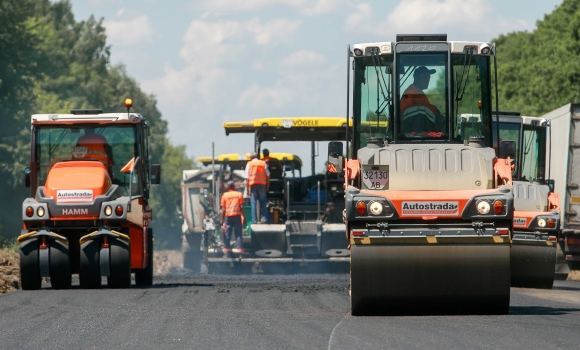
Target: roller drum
430, 279
533, 265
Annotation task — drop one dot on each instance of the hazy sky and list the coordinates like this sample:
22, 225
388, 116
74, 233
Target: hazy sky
210, 61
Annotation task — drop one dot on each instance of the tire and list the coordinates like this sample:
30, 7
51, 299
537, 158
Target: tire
90, 272
144, 277
120, 273
60, 276
192, 258
29, 269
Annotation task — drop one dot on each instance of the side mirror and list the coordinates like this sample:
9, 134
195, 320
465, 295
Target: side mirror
550, 184
155, 174
27, 177
335, 157
507, 149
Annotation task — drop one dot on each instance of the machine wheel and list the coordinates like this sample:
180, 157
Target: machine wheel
144, 277
29, 269
403, 280
90, 273
192, 258
532, 266
120, 274
60, 276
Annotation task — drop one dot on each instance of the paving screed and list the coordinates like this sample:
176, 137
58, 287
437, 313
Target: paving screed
302, 311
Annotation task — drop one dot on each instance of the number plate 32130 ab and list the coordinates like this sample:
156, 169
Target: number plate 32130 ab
375, 177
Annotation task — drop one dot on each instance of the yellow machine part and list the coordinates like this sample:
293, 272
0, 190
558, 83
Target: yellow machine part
430, 278
220, 158
312, 122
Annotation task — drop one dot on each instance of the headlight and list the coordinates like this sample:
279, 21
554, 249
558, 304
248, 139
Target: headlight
376, 208
40, 212
108, 210
483, 207
542, 222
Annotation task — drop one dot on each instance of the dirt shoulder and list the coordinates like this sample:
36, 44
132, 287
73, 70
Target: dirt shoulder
9, 271
574, 275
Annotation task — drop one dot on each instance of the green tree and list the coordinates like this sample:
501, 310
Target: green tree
50, 63
18, 68
539, 71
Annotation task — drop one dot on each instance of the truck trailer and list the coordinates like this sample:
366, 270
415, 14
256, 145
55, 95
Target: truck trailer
563, 166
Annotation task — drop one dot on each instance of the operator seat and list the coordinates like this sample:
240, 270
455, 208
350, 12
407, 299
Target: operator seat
418, 119
93, 146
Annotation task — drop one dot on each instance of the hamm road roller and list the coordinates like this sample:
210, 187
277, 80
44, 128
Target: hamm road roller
428, 205
88, 210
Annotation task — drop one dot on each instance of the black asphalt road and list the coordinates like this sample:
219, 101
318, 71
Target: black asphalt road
271, 312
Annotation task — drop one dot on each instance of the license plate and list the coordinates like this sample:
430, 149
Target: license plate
375, 179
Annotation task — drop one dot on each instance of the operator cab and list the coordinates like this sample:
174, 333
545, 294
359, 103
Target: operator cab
524, 140
415, 90
111, 143
300, 197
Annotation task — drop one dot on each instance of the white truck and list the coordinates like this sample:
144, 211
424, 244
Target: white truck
564, 167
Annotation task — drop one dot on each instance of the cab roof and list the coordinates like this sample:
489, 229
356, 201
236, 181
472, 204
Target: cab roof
87, 118
387, 47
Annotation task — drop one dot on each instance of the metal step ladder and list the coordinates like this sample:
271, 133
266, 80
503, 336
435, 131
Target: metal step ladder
303, 238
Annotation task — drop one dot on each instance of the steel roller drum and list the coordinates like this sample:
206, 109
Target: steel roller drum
421, 279
533, 265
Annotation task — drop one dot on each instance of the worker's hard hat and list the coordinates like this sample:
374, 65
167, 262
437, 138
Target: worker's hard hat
253, 155
422, 70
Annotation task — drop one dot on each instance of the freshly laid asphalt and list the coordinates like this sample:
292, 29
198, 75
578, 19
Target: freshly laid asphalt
300, 311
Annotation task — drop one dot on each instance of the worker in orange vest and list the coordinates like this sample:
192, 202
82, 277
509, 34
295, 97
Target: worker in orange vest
93, 146
414, 102
258, 182
232, 218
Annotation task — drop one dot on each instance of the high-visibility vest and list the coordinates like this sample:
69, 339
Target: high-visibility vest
95, 145
414, 97
232, 203
257, 173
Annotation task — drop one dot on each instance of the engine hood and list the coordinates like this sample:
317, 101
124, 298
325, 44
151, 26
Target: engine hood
77, 182
425, 167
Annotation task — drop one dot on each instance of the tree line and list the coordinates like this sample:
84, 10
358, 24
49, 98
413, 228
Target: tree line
52, 63
539, 71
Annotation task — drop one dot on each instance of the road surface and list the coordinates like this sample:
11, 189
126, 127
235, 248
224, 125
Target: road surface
270, 312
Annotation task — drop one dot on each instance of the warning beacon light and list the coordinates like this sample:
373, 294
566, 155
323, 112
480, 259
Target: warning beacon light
128, 103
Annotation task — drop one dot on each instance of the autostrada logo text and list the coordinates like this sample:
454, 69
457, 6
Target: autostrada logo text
64, 196
430, 208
